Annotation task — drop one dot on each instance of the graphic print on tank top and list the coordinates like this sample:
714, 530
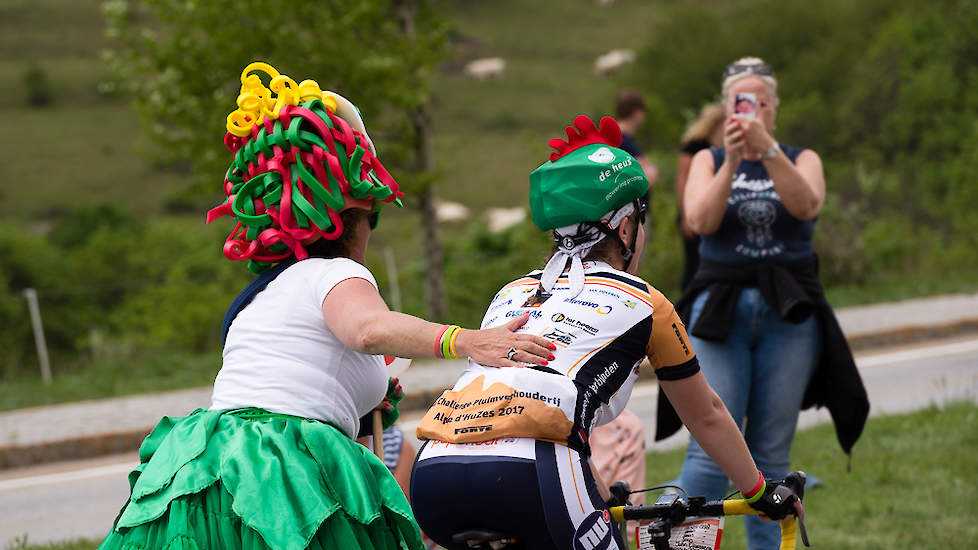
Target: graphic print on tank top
756, 226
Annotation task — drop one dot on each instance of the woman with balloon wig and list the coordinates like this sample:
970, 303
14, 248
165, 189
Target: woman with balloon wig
273, 463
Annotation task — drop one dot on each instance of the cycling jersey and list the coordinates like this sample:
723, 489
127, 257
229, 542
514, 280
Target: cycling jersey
602, 335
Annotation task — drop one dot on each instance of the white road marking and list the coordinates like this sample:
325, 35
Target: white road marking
641, 391
929, 352
63, 477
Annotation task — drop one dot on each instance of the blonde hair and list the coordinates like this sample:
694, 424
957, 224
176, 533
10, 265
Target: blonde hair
750, 61
711, 116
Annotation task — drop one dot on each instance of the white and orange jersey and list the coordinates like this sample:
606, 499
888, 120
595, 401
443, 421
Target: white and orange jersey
602, 335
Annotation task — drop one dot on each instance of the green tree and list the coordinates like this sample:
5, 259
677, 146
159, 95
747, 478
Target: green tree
181, 61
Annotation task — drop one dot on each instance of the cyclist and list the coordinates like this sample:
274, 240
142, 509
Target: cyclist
506, 449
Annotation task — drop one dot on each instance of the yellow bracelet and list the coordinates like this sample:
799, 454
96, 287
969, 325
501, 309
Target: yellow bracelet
451, 343
446, 340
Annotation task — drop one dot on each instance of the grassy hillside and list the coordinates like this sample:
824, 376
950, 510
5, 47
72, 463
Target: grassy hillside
86, 144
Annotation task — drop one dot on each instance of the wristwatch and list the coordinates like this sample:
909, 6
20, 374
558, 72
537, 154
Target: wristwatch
771, 153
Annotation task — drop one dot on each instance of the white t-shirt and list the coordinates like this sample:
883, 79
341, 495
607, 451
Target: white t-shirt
281, 356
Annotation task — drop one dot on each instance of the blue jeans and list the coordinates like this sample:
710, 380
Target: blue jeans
760, 372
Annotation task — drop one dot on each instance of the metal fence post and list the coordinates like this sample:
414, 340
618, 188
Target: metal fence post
42, 347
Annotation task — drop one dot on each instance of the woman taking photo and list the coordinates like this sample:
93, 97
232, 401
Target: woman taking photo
273, 463
766, 337
507, 449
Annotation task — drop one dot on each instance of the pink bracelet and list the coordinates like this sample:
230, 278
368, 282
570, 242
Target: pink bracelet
758, 487
438, 342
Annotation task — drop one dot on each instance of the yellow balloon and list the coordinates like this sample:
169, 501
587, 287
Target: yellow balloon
255, 101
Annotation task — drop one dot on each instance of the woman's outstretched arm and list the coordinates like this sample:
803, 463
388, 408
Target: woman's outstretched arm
358, 317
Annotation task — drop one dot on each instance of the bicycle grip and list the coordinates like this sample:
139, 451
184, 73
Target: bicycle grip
788, 525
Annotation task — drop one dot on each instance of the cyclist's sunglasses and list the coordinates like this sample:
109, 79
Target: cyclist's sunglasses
643, 209
761, 69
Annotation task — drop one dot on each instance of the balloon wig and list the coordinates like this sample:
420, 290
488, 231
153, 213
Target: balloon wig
301, 156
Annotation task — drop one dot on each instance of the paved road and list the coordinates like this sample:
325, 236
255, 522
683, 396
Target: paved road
79, 499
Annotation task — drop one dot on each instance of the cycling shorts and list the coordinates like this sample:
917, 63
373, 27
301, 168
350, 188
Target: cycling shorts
539, 493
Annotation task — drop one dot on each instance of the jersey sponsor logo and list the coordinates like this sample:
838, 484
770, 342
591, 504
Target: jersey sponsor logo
561, 318
502, 294
599, 380
582, 303
499, 305
518, 312
473, 429
679, 335
514, 394
605, 292
601, 309
499, 442
560, 336
594, 533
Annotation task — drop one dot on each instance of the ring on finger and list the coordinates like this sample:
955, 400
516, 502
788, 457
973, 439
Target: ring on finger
510, 353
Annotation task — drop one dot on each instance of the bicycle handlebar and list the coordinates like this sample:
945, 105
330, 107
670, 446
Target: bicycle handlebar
730, 507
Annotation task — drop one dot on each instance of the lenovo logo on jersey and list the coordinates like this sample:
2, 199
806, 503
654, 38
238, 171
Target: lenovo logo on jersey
473, 429
594, 533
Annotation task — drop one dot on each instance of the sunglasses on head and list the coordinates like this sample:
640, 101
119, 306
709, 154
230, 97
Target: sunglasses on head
761, 69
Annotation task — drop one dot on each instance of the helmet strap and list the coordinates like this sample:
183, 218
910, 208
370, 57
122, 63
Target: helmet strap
627, 251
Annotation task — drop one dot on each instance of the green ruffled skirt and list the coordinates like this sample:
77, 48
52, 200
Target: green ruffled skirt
249, 479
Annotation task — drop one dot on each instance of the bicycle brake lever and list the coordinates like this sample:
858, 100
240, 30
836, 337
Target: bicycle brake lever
802, 529
796, 482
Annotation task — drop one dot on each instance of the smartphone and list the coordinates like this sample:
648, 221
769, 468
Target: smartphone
746, 104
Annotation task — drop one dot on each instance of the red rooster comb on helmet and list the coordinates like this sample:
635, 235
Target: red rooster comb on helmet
584, 132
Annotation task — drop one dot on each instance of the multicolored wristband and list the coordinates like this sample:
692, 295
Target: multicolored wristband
757, 492
446, 342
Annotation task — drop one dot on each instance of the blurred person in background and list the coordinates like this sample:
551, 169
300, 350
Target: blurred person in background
273, 462
630, 112
618, 452
766, 337
704, 132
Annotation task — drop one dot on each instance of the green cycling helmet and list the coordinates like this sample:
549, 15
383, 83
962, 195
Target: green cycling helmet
587, 176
